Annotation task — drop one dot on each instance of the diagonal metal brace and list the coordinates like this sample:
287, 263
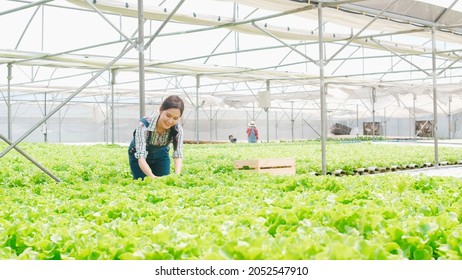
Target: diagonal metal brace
31, 159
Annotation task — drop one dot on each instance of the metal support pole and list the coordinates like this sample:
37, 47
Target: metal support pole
276, 125
44, 126
385, 122
413, 117
9, 78
211, 121
374, 98
106, 118
435, 98
267, 112
32, 160
113, 82
322, 91
357, 120
449, 117
292, 121
43, 28
303, 132
59, 126
197, 108
215, 121
140, 47
216, 124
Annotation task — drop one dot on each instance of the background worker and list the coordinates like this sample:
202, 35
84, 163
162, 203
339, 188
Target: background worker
252, 133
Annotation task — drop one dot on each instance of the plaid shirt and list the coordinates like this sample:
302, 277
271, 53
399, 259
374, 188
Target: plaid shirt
142, 133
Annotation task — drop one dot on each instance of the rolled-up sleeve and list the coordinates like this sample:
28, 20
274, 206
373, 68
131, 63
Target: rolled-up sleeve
141, 135
178, 151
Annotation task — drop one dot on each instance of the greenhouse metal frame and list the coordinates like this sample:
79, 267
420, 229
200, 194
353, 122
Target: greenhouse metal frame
308, 64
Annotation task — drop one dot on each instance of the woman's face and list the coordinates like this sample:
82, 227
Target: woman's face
168, 118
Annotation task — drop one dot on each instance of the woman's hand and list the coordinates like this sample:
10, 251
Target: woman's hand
145, 168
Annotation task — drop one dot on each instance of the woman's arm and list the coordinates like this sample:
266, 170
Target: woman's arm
145, 167
178, 150
178, 165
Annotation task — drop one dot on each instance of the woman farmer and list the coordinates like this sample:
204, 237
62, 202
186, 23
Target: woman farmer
148, 152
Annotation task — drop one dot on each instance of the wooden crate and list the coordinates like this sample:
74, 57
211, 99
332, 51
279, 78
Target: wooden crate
277, 166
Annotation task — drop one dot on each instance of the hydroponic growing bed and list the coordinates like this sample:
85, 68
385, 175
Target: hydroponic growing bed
213, 211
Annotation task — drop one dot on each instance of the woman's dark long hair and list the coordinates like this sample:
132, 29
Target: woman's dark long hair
173, 101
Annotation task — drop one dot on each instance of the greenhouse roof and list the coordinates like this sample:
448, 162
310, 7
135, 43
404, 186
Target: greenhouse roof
275, 41
376, 55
